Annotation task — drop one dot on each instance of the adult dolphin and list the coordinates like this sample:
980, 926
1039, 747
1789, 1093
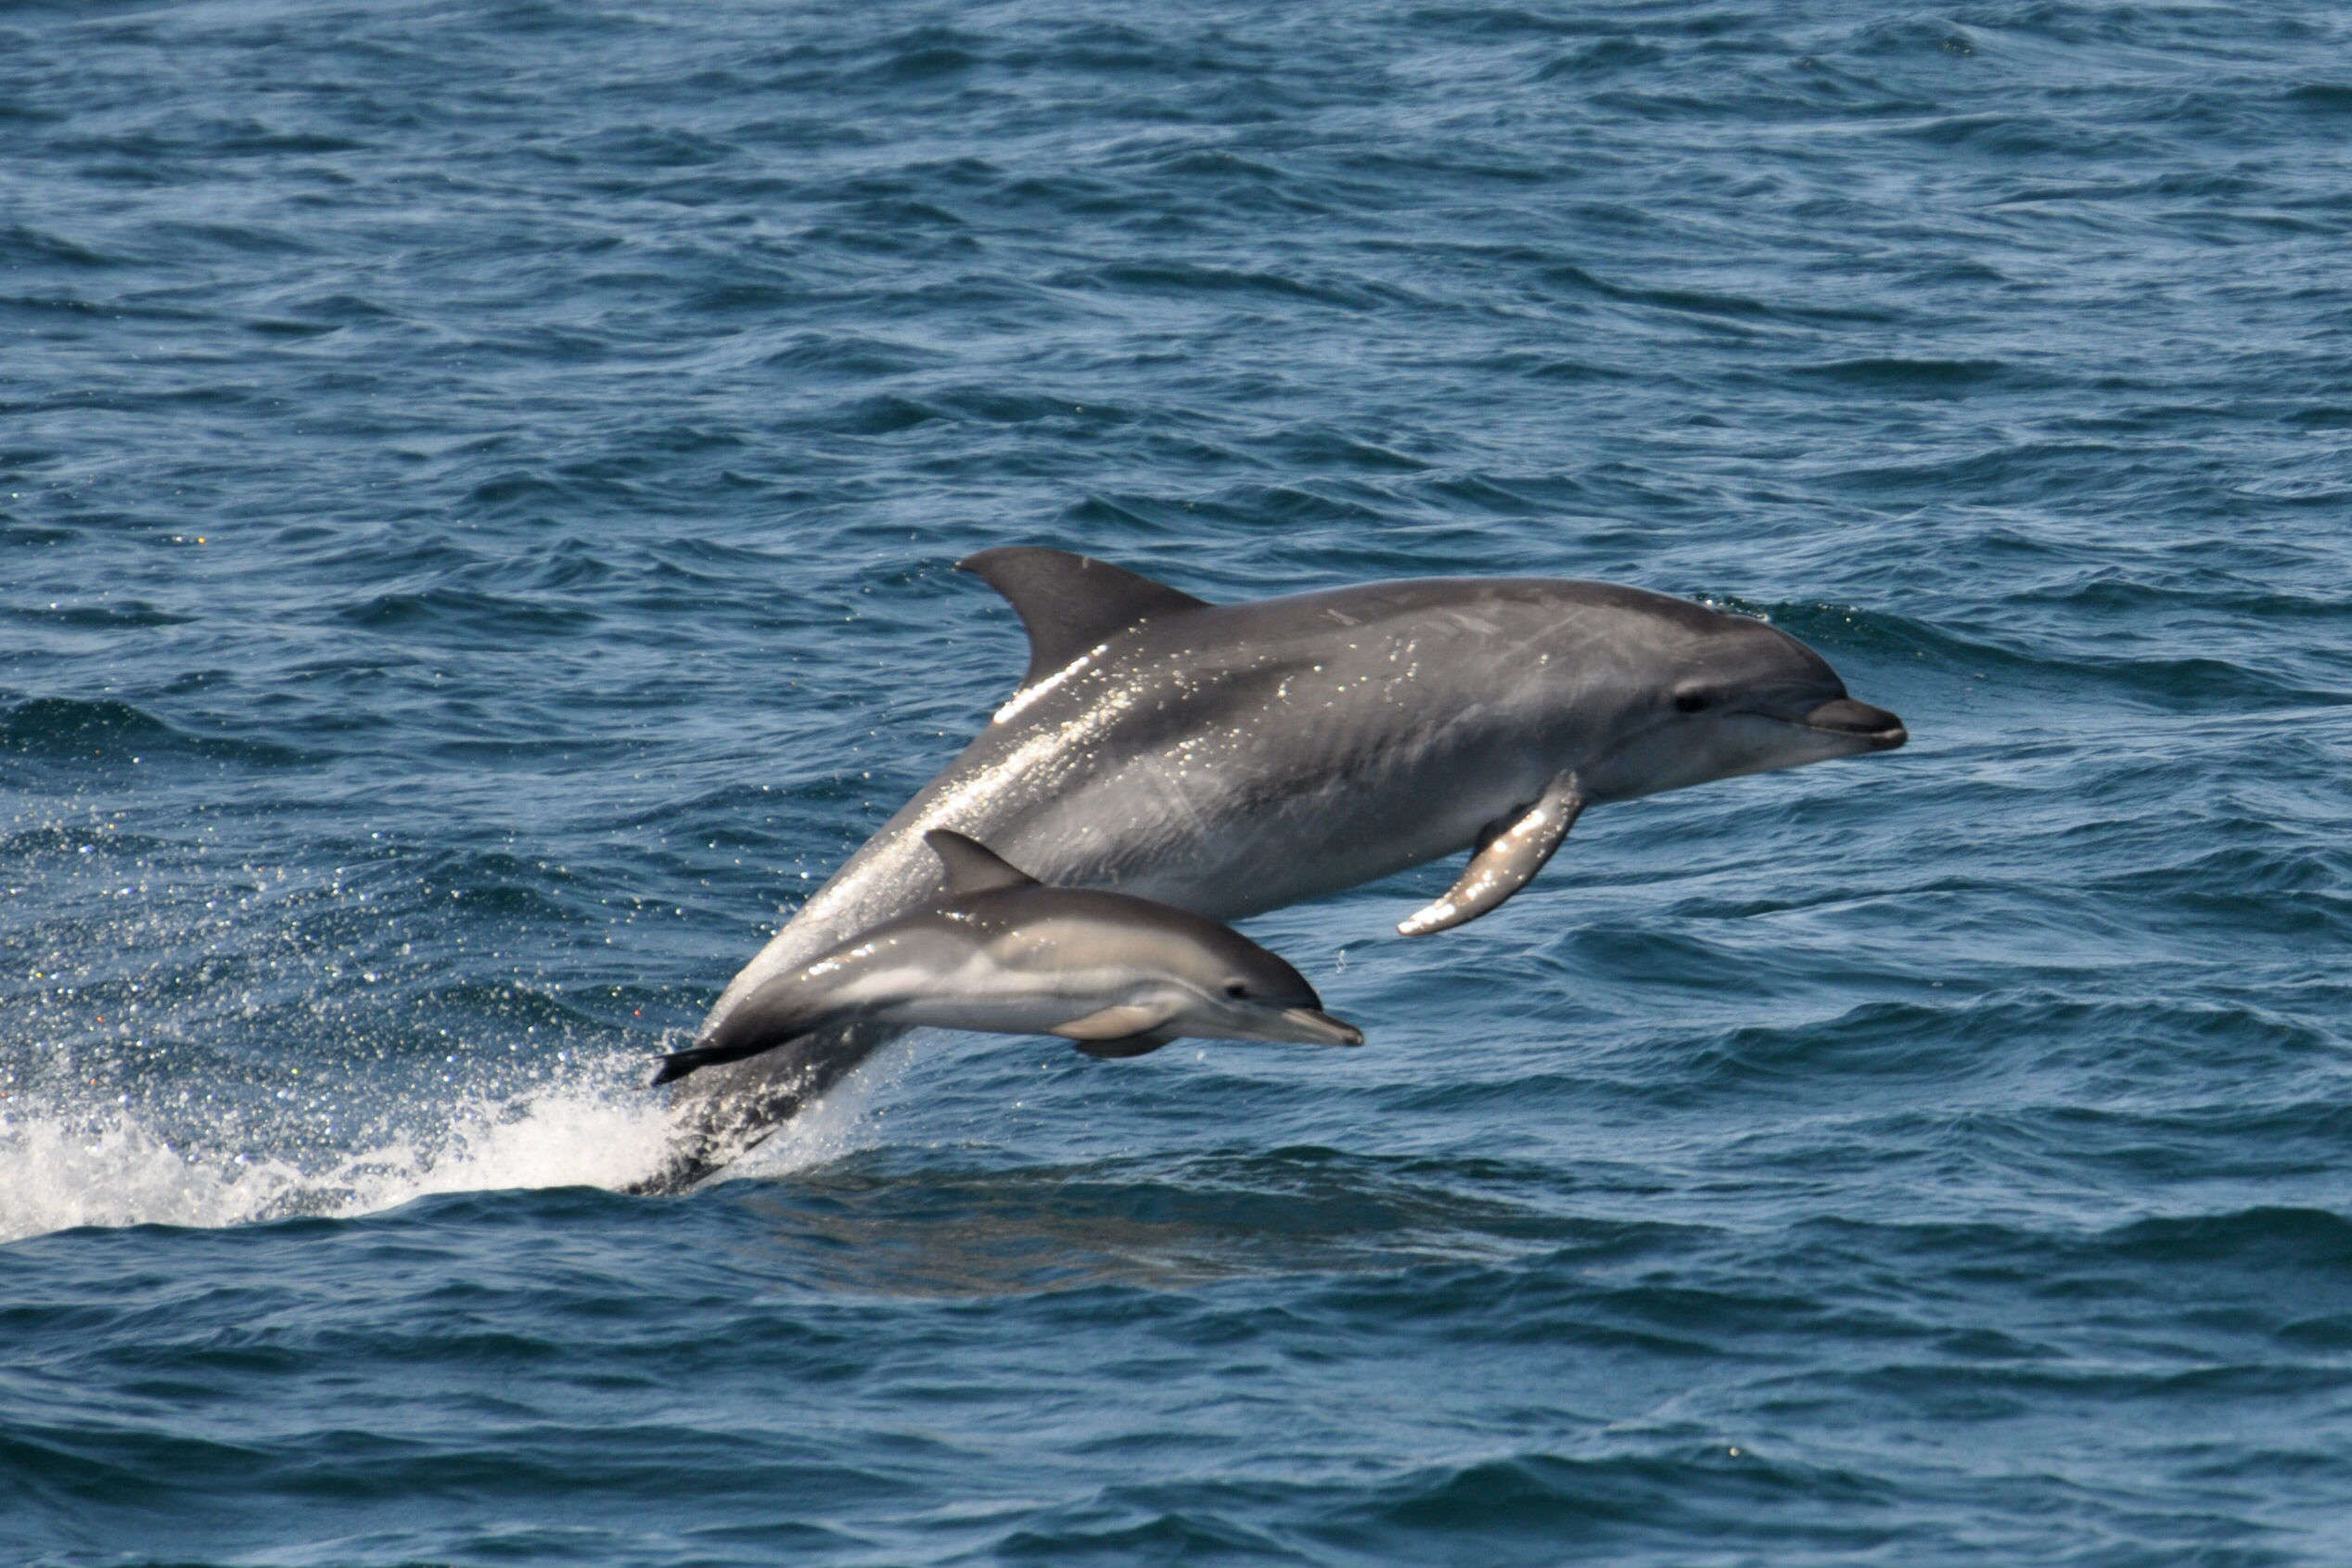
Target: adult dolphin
1228, 758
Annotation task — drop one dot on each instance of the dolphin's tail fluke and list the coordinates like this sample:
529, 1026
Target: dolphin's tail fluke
678, 1064
729, 1044
771, 1017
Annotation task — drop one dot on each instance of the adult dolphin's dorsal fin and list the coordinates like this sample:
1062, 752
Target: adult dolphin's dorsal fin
1071, 603
972, 866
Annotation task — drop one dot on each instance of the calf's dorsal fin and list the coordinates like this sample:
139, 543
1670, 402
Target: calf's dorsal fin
972, 866
1071, 603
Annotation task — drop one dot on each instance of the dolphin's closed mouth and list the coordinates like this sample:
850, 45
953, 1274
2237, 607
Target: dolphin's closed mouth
1322, 1028
1846, 716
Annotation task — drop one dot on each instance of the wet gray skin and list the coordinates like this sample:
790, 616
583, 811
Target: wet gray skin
1118, 974
1230, 759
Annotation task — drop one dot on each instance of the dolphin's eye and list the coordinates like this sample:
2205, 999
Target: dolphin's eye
1690, 701
1237, 990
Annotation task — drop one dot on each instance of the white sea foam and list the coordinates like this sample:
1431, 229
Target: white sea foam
63, 1164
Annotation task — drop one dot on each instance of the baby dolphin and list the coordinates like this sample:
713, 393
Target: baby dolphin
1119, 975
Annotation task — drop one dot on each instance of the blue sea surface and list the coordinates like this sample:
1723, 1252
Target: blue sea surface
479, 492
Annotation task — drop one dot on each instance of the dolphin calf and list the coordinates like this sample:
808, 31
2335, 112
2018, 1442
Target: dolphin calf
1118, 974
1228, 758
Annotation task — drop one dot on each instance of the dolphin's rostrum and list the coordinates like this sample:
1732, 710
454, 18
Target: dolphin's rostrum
1230, 759
1003, 952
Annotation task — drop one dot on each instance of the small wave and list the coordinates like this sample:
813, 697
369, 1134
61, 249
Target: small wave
1323, 446
2322, 98
1608, 57
845, 354
926, 53
122, 615
1943, 376
885, 415
1998, 642
1913, 36
23, 244
1705, 302
108, 730
63, 1166
1181, 278
649, 146
486, 615
1569, 1494
2276, 1239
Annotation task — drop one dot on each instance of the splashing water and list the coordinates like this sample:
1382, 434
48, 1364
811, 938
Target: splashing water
63, 1166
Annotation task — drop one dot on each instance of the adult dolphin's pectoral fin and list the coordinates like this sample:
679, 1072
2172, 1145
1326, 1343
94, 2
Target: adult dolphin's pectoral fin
1071, 603
1513, 855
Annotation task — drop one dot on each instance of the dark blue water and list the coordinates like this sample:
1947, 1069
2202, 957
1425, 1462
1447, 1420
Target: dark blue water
478, 493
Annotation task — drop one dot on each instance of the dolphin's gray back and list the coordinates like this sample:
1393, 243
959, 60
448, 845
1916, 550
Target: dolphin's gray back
1236, 757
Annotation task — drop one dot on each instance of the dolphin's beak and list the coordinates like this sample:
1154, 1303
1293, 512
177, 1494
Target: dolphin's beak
1881, 730
1320, 1028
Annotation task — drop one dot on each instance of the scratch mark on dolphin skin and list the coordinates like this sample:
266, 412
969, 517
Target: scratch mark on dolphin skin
1071, 737
1028, 695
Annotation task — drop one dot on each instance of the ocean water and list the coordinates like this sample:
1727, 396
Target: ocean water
479, 488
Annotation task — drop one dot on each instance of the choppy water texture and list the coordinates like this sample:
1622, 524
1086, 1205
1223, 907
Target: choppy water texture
478, 487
